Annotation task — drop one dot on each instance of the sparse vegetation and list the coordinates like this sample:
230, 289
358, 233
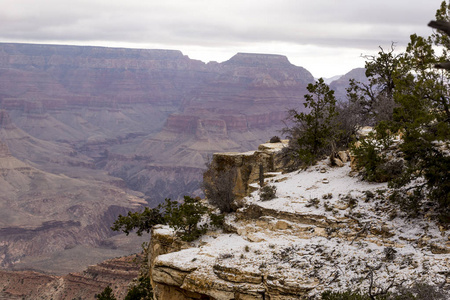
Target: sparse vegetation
226, 256
389, 253
418, 291
139, 221
184, 218
217, 220
268, 192
141, 288
275, 139
373, 103
313, 202
107, 294
218, 187
372, 158
313, 133
420, 114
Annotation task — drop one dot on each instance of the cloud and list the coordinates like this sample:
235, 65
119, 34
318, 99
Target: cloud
217, 25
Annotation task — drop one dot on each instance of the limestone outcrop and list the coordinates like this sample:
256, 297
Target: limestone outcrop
325, 230
248, 165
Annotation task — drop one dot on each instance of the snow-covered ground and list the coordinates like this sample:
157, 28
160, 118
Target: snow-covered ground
325, 230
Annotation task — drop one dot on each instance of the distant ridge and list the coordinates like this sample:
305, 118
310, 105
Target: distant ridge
341, 84
331, 79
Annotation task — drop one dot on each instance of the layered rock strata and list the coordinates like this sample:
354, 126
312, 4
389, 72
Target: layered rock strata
324, 231
117, 273
158, 110
43, 213
248, 165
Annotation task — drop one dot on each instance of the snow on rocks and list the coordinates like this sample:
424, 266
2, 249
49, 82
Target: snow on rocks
314, 236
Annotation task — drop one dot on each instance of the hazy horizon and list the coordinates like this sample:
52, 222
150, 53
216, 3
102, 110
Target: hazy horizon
325, 37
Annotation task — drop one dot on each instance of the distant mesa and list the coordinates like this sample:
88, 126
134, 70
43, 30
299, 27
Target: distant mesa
258, 60
48, 50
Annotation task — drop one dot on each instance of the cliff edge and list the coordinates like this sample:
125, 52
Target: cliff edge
325, 230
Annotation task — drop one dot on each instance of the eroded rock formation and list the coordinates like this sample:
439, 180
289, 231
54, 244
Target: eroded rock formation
43, 213
247, 164
324, 231
145, 115
117, 273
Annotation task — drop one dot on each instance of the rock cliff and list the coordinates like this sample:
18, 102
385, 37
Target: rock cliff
325, 230
117, 273
247, 164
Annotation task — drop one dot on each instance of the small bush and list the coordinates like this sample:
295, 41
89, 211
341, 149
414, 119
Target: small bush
218, 188
275, 139
349, 295
268, 192
423, 291
226, 256
217, 221
107, 294
141, 290
350, 200
313, 202
409, 202
389, 253
185, 217
143, 221
371, 156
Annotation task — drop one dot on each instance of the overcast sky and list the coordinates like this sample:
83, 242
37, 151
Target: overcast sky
326, 37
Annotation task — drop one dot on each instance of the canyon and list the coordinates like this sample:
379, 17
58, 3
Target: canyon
88, 133
117, 272
145, 116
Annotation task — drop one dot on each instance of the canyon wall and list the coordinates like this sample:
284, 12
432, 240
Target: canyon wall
88, 133
149, 117
117, 273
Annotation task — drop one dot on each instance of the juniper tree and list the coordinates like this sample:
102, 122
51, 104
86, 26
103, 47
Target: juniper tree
183, 217
422, 115
313, 132
374, 102
106, 294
